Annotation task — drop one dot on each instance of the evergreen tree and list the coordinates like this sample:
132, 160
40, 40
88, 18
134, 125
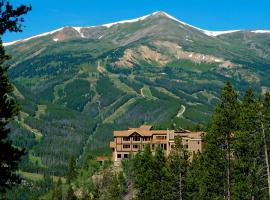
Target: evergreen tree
114, 190
247, 176
179, 167
265, 133
122, 183
9, 156
194, 178
143, 165
71, 173
152, 177
70, 193
58, 191
215, 180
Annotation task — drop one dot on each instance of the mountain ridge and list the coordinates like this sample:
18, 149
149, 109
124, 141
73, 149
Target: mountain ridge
77, 86
109, 25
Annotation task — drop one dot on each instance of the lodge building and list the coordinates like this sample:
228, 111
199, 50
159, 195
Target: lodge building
134, 140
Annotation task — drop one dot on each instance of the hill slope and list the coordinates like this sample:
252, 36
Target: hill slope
77, 84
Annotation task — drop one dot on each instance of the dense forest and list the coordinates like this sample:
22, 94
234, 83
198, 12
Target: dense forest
233, 164
64, 99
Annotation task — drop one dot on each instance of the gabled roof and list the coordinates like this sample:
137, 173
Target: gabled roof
144, 131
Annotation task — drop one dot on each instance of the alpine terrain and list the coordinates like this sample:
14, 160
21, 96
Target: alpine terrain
78, 84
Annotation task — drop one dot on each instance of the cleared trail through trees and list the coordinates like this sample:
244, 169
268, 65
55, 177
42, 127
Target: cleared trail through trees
181, 111
87, 143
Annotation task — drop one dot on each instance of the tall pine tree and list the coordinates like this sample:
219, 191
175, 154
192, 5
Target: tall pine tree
10, 20
215, 179
71, 173
247, 177
265, 133
178, 162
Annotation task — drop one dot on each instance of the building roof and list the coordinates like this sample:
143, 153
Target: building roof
142, 132
102, 158
146, 131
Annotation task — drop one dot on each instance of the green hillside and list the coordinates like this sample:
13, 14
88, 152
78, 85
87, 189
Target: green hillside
76, 91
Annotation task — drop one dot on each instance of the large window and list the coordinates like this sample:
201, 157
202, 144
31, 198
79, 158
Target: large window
135, 146
161, 137
136, 138
126, 139
147, 139
163, 146
119, 155
126, 146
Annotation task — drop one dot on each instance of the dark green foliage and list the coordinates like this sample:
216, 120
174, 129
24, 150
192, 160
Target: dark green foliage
31, 189
9, 155
178, 165
247, 163
114, 190
71, 173
215, 179
109, 93
57, 193
77, 94
70, 194
152, 177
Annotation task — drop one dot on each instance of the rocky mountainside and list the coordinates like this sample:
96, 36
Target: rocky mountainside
77, 84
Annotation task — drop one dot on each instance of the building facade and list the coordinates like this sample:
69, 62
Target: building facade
134, 140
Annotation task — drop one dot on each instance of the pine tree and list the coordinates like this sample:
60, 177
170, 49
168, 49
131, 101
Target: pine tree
215, 180
265, 133
179, 167
152, 177
70, 194
58, 191
247, 176
71, 173
114, 190
9, 156
161, 185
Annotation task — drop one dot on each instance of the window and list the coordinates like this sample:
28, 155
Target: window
161, 137
125, 155
119, 155
126, 146
199, 142
147, 139
136, 138
126, 139
163, 146
135, 146
153, 146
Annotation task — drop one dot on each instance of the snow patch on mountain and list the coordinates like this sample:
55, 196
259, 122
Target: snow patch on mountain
209, 33
126, 21
36, 36
261, 31
79, 30
109, 25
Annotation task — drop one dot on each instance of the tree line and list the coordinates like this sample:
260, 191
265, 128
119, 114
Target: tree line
234, 163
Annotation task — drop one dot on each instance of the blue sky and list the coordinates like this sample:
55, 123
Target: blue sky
207, 14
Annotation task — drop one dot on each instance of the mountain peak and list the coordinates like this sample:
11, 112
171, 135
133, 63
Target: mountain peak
160, 14
156, 14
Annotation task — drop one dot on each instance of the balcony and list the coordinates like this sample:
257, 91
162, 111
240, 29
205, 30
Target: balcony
112, 144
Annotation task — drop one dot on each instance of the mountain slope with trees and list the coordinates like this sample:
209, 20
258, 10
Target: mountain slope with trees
78, 85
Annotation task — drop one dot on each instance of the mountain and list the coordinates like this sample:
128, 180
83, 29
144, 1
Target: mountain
77, 84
